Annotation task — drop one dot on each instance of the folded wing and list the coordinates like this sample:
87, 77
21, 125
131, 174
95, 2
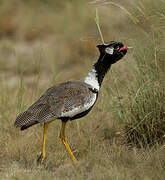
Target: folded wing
65, 100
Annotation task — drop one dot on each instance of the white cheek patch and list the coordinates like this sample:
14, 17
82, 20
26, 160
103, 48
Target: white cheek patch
109, 50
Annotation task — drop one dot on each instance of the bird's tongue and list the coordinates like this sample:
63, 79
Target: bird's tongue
123, 48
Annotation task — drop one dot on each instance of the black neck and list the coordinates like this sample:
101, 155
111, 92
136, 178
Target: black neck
101, 68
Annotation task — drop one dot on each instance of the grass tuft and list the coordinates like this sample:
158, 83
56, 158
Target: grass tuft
147, 125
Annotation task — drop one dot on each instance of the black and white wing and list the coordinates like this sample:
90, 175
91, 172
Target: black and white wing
63, 101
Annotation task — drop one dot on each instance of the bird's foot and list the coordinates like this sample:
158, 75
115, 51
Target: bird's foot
40, 159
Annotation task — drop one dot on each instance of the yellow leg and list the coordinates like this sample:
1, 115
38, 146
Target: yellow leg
62, 136
42, 156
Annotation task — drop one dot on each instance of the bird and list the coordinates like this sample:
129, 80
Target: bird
72, 99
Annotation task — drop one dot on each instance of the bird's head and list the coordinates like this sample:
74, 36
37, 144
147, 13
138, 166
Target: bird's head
112, 52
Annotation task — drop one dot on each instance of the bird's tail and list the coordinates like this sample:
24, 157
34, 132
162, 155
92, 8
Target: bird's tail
25, 120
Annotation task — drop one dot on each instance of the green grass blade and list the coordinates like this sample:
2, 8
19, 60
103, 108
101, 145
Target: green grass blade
98, 25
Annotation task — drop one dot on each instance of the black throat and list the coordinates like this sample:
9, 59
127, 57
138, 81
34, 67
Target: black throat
102, 66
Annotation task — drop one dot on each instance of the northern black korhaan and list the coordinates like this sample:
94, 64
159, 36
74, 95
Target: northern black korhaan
73, 99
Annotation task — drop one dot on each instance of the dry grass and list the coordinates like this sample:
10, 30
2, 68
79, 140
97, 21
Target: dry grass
44, 43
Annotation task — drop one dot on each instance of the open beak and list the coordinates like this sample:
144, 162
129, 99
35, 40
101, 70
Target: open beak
123, 48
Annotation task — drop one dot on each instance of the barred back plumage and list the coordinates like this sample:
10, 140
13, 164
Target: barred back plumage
57, 102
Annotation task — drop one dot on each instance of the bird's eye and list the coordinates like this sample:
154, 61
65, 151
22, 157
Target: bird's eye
109, 50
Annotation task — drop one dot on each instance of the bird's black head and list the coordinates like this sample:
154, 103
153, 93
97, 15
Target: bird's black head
112, 52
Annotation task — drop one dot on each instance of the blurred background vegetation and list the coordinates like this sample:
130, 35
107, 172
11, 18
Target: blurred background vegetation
44, 42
